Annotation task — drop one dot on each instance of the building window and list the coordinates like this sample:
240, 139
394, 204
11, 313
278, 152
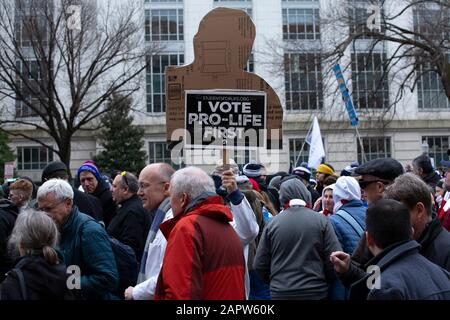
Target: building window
33, 158
159, 152
295, 146
250, 67
303, 81
244, 5
374, 147
31, 99
431, 93
300, 24
438, 147
31, 22
155, 79
370, 80
164, 25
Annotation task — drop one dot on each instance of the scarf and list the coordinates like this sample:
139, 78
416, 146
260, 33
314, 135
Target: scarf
157, 220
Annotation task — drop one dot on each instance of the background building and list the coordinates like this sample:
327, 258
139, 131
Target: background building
291, 37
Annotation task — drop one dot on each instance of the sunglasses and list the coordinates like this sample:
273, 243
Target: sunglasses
363, 184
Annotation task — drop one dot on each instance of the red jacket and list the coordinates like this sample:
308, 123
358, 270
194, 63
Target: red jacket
204, 257
444, 216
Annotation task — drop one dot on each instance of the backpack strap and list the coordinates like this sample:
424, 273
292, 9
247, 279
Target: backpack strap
23, 287
347, 217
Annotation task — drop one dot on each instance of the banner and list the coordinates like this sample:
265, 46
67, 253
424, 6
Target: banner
233, 120
345, 95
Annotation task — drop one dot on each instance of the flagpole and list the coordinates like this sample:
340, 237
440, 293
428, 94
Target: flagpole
303, 145
360, 144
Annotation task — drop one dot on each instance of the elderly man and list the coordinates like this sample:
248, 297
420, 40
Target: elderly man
154, 192
131, 223
83, 241
198, 263
85, 202
294, 248
93, 183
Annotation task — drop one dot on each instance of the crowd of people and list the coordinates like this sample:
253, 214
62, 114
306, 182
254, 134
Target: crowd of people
164, 234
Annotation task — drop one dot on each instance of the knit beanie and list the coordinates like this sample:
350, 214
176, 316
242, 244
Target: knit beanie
253, 169
92, 168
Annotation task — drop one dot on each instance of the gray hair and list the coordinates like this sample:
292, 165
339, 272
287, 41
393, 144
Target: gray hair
191, 180
60, 188
35, 233
133, 183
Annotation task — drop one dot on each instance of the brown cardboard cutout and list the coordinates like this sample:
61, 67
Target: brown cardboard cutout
222, 47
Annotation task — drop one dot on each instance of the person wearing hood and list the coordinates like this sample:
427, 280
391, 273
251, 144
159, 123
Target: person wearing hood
198, 263
325, 201
348, 222
293, 253
38, 274
94, 184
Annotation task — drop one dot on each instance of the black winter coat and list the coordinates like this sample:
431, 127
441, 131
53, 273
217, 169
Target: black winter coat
88, 204
109, 207
404, 275
42, 280
8, 216
131, 225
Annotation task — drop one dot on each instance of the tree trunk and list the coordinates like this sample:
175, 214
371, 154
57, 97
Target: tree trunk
65, 153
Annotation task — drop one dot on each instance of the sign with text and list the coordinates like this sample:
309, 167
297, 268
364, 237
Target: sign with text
346, 95
9, 170
225, 119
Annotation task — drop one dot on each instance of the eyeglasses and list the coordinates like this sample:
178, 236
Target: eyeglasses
124, 175
51, 208
363, 184
144, 185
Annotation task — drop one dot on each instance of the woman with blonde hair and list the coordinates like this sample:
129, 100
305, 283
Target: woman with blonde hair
38, 274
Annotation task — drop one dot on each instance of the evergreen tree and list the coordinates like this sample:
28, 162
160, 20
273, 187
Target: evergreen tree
122, 140
6, 154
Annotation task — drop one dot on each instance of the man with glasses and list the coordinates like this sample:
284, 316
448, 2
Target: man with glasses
376, 175
83, 241
131, 223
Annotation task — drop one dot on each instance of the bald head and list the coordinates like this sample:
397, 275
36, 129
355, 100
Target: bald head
154, 181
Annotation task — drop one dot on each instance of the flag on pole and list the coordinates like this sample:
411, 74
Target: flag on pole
316, 149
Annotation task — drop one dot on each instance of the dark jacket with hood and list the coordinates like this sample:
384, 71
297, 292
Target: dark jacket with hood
43, 281
404, 275
131, 225
88, 204
109, 207
8, 216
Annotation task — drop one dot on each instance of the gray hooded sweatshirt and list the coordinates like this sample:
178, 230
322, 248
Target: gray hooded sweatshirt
294, 252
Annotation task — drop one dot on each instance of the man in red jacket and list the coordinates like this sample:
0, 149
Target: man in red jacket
203, 259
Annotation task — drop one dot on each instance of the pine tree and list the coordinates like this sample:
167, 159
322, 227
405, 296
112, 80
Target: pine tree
122, 141
6, 154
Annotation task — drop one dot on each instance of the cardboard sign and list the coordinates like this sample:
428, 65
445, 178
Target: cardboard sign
9, 170
222, 48
232, 120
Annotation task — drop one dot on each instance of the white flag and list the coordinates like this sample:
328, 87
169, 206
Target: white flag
316, 150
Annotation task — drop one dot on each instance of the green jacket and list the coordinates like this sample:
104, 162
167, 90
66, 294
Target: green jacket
84, 242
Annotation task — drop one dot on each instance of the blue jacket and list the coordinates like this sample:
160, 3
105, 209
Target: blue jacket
404, 275
347, 236
85, 243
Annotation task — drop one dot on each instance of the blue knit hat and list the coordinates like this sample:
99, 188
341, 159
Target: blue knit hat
252, 169
91, 167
